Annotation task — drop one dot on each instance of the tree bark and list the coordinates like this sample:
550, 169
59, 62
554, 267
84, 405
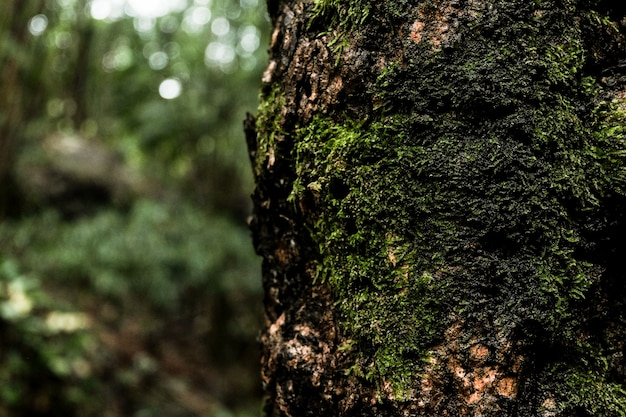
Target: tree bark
440, 208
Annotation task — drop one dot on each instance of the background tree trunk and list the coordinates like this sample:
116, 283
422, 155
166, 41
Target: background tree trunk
439, 207
17, 94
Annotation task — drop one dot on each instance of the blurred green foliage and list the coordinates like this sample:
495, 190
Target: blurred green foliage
147, 305
156, 252
102, 77
44, 355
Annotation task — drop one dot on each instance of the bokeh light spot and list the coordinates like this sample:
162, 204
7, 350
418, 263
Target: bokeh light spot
38, 24
118, 59
250, 39
201, 15
63, 40
148, 9
100, 9
170, 88
144, 24
158, 60
150, 48
220, 26
219, 53
248, 4
169, 24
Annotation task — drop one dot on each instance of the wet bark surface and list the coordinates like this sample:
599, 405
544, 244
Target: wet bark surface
509, 338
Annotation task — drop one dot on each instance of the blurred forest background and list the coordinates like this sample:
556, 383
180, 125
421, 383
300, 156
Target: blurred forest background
128, 283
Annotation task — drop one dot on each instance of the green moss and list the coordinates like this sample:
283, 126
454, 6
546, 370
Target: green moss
342, 13
385, 298
343, 16
609, 147
269, 125
591, 392
583, 390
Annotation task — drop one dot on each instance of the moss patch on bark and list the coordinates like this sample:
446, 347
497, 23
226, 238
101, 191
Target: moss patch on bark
469, 195
465, 209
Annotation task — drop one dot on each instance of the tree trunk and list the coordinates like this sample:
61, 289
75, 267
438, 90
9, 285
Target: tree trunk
440, 208
19, 99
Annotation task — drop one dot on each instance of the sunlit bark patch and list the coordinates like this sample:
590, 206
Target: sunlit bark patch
480, 375
438, 22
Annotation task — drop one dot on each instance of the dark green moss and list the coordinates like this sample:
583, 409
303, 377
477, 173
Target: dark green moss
580, 389
345, 14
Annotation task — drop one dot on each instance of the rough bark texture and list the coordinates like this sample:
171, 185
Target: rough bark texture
439, 205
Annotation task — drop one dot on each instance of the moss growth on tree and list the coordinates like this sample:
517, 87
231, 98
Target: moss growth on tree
467, 196
341, 13
385, 298
471, 193
269, 117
